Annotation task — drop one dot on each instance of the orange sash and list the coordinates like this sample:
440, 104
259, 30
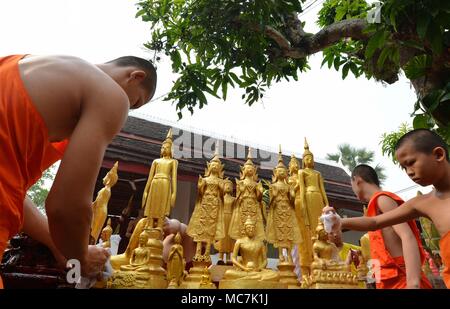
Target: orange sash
392, 270
444, 245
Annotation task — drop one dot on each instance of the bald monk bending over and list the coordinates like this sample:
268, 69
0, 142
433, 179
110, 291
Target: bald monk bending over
61, 107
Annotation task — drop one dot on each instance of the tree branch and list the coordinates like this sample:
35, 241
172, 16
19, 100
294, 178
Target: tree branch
304, 44
351, 28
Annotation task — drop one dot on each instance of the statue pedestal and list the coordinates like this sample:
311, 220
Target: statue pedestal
251, 284
195, 277
149, 276
288, 276
333, 279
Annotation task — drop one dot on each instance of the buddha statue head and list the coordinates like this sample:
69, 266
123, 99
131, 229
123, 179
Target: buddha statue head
249, 169
308, 157
280, 171
166, 147
111, 177
249, 227
321, 234
143, 238
293, 165
215, 166
228, 186
107, 231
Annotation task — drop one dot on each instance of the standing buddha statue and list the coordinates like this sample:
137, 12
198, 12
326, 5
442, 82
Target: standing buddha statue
248, 202
312, 190
226, 244
106, 235
175, 263
305, 245
282, 228
161, 189
206, 224
100, 205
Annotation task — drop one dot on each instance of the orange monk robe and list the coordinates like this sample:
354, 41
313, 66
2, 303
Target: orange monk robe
25, 150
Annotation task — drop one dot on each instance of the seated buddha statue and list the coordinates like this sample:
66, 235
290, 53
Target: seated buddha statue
253, 262
140, 257
326, 255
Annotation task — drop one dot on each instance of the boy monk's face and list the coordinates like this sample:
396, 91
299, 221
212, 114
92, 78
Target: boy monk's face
418, 165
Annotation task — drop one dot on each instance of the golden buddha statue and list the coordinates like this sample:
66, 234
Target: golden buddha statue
305, 244
140, 256
207, 222
282, 228
250, 267
175, 263
123, 259
226, 244
161, 189
312, 190
248, 202
327, 269
206, 282
106, 235
144, 269
100, 205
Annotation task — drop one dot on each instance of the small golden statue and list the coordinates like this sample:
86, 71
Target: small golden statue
282, 228
144, 269
327, 270
225, 245
207, 221
206, 282
248, 202
176, 263
124, 258
250, 268
100, 205
305, 246
161, 189
106, 235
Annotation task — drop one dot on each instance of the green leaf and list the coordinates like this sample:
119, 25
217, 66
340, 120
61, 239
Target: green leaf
422, 25
420, 122
337, 63
417, 66
345, 69
224, 89
176, 60
340, 13
375, 42
383, 56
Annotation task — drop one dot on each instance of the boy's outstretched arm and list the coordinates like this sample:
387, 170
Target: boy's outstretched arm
68, 204
398, 215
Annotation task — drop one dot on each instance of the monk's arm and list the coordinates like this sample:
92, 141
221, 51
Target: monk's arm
68, 204
399, 215
35, 224
408, 242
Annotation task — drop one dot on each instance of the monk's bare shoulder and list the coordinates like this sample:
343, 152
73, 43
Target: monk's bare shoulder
62, 87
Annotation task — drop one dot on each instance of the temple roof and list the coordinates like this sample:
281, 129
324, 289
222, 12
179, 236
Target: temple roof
139, 143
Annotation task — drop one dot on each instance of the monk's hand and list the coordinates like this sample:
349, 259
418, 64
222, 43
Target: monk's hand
94, 261
332, 218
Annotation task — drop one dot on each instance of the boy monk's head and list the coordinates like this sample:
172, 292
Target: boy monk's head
423, 155
363, 177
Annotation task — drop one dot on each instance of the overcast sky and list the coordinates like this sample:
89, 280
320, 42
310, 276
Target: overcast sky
320, 106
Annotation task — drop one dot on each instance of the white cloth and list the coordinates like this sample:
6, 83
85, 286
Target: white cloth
87, 283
